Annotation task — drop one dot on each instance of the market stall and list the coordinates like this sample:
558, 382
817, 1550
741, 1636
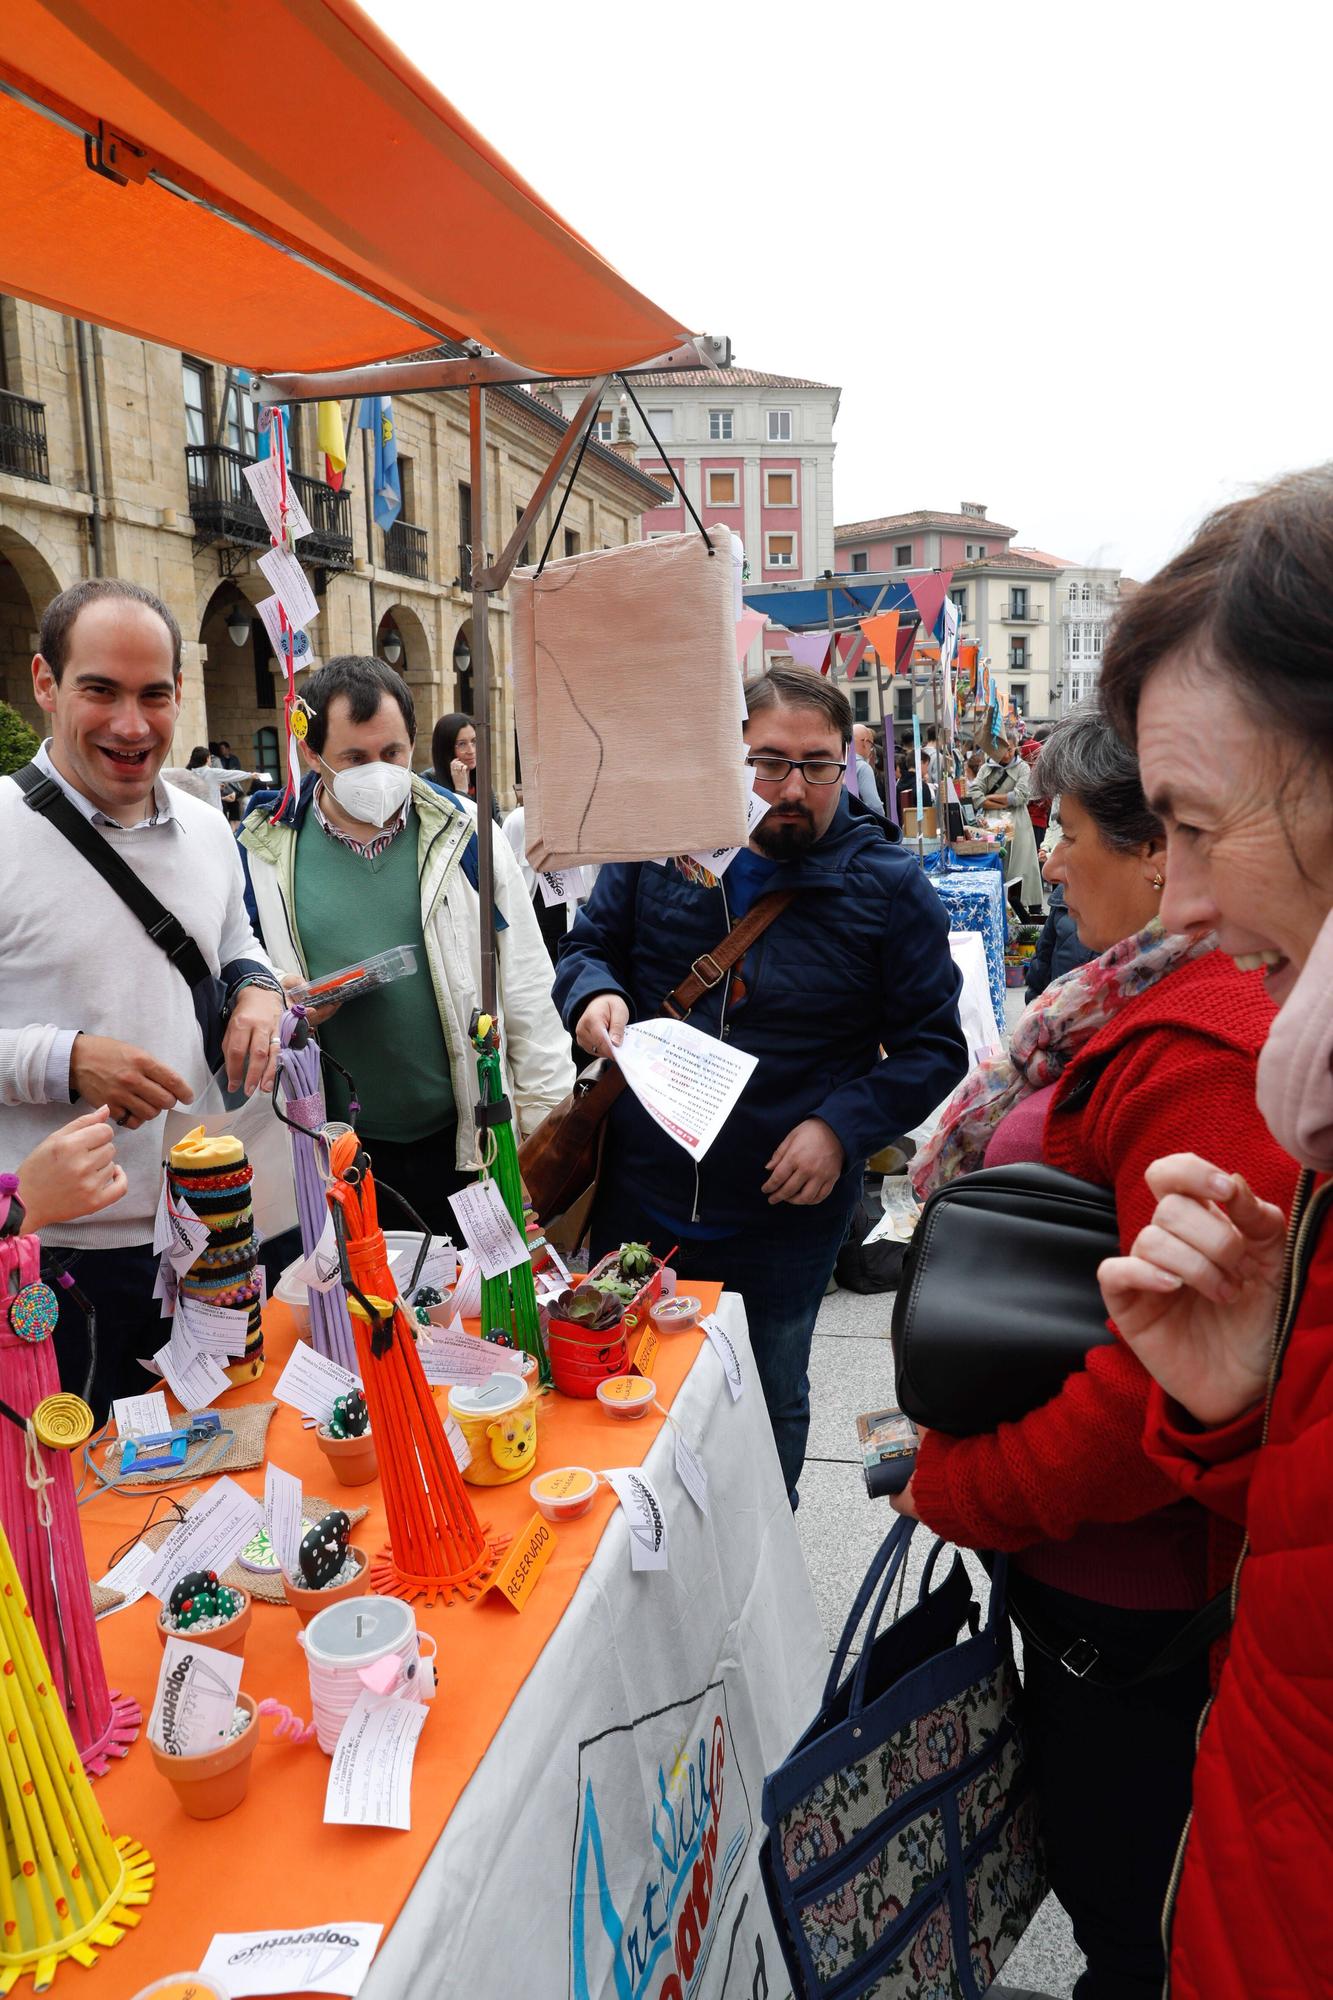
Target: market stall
558, 1740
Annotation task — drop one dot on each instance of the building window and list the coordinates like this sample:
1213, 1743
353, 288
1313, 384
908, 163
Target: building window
902, 697
779, 426
601, 430
780, 551
407, 486
1075, 641
239, 428
266, 752
663, 477
860, 705
860, 561
902, 555
1018, 656
959, 597
571, 542
719, 426
1087, 593
780, 489
525, 553
1018, 601
660, 422
1073, 593
981, 548
465, 515
1100, 593
1097, 640
194, 386
722, 489
971, 552
1018, 695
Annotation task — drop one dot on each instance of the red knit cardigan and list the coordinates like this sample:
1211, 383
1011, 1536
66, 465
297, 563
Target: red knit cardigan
1172, 1072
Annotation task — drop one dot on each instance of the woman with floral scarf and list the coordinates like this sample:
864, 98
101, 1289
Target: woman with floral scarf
1149, 1049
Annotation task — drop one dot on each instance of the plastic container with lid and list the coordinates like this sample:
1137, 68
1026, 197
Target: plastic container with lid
183, 1986
565, 1493
498, 1419
627, 1395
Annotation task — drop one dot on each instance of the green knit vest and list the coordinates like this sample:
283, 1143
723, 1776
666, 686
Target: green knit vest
391, 1042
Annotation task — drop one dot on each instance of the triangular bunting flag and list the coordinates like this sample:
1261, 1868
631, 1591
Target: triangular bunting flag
882, 632
748, 627
808, 649
928, 595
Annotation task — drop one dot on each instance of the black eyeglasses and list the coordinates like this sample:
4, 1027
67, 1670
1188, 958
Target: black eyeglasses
815, 770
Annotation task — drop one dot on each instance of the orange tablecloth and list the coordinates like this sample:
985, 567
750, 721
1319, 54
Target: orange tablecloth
273, 1862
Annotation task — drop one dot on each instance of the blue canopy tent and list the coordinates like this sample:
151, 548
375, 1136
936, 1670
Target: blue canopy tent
836, 604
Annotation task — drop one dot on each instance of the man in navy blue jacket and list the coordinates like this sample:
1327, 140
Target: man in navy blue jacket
849, 1001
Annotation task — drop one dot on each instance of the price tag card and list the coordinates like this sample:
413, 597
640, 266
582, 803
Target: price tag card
370, 1779
448, 1359
562, 885
645, 1353
195, 1699
214, 1531
645, 1515
312, 1384
527, 1557
270, 612
692, 1471
466, 1300
288, 581
725, 1349
492, 1236
264, 478
323, 1958
193, 1377
129, 1577
282, 1516
141, 1416
217, 1330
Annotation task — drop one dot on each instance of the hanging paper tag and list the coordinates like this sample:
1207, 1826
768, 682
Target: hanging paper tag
528, 1555
320, 1271
264, 478
221, 1331
458, 1444
289, 584
166, 1285
282, 1516
370, 1778
192, 1376
466, 1299
489, 1227
692, 1471
562, 885
269, 609
449, 1358
725, 1349
645, 1516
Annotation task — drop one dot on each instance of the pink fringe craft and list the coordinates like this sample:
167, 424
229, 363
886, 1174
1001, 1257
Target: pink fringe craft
104, 1725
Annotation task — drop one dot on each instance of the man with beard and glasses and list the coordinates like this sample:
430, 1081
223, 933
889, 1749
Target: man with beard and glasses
848, 1000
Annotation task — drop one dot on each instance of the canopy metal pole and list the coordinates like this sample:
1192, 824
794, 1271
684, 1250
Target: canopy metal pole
481, 683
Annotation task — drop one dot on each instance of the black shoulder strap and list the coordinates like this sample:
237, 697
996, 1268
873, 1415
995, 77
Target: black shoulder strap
45, 796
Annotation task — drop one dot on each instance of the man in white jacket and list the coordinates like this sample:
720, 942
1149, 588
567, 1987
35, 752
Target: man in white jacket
92, 1012
369, 857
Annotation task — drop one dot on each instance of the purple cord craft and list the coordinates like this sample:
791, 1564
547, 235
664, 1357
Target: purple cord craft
303, 1094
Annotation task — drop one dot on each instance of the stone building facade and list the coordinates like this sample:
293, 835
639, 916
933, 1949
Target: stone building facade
122, 458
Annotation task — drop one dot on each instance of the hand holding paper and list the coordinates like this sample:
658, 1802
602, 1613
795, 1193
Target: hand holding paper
687, 1081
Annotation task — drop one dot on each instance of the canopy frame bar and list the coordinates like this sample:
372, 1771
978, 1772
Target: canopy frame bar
478, 367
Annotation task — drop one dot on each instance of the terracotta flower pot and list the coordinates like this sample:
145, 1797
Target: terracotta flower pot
306, 1602
228, 1638
352, 1460
214, 1781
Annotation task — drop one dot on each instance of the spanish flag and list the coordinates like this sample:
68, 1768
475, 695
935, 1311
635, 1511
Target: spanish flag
333, 444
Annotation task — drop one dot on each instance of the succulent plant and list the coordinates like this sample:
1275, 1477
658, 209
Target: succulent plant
587, 1306
636, 1262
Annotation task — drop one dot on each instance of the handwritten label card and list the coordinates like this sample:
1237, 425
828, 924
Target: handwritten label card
264, 478
725, 1349
214, 1531
217, 1330
195, 1699
312, 1384
192, 1376
528, 1556
282, 1516
289, 584
141, 1416
645, 1516
370, 1780
129, 1577
494, 1240
449, 1358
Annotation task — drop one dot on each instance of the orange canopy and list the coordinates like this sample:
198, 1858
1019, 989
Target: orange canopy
303, 199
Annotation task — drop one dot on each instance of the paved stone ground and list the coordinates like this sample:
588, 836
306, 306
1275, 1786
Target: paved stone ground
851, 1370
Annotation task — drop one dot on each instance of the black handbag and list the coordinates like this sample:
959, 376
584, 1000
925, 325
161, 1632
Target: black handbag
999, 1300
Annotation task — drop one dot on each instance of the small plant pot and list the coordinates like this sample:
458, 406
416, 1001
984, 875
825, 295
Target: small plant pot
306, 1602
228, 1638
215, 1781
352, 1460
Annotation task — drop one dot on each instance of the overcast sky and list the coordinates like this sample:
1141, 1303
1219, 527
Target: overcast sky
1071, 261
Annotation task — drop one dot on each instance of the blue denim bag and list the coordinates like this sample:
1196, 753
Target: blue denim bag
903, 1857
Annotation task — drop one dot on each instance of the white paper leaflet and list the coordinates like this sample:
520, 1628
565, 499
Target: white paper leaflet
195, 1699
214, 1531
645, 1516
370, 1779
687, 1081
264, 478
312, 1384
489, 1227
325, 1958
289, 584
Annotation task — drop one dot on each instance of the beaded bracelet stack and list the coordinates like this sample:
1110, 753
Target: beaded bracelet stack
214, 1177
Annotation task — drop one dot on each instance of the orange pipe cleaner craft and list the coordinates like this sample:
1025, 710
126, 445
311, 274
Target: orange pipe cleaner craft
438, 1550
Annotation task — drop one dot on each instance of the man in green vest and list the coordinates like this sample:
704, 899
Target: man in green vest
367, 857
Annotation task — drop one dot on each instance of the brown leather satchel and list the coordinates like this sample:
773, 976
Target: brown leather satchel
561, 1160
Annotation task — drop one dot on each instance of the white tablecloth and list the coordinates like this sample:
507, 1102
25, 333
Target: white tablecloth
976, 1008
607, 1846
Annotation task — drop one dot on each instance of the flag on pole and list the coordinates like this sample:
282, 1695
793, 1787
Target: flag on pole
332, 442
264, 427
376, 416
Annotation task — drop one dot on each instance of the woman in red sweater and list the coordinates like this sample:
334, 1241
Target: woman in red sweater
1150, 1049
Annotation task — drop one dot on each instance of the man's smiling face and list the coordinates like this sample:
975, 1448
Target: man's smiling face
113, 710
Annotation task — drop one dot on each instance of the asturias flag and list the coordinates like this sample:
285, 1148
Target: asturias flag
376, 416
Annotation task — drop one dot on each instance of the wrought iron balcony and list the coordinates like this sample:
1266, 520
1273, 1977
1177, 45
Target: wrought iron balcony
23, 437
1031, 615
407, 551
224, 508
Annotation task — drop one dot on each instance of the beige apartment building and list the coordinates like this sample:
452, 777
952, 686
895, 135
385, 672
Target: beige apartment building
121, 458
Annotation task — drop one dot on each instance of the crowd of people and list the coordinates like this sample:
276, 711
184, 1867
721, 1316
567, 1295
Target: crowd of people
1177, 1049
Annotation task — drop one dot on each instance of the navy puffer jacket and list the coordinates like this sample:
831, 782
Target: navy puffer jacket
859, 961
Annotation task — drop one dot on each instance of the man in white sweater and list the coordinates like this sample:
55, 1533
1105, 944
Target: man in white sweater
92, 1011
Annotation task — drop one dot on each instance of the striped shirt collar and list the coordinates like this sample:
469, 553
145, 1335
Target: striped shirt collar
371, 849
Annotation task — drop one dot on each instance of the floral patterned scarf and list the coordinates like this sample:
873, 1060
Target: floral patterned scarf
1055, 1027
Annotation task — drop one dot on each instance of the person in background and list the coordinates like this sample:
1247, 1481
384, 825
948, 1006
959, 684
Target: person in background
1039, 809
453, 754
1059, 948
907, 785
204, 777
92, 1011
974, 765
1149, 1049
1221, 668
1005, 780
369, 857
863, 742
849, 1001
